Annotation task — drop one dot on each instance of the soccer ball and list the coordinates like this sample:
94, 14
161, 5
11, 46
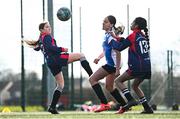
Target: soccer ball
63, 14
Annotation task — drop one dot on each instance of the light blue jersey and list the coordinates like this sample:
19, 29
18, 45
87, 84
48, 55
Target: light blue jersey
109, 53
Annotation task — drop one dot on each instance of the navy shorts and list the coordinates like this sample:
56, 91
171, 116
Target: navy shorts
139, 75
109, 69
55, 65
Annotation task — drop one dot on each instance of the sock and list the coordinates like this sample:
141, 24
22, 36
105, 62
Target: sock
99, 92
55, 99
115, 93
145, 104
127, 94
86, 66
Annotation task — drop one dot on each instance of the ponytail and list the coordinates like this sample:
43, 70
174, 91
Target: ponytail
31, 43
119, 30
147, 36
146, 33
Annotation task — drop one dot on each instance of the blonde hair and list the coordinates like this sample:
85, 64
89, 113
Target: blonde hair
119, 30
31, 42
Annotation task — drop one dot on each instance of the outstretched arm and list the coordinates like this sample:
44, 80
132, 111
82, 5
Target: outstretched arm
123, 44
116, 37
96, 60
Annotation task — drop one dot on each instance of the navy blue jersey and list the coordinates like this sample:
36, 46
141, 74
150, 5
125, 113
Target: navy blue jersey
54, 55
138, 52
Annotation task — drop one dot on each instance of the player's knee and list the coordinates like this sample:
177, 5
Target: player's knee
117, 81
134, 86
91, 80
82, 55
59, 88
109, 88
116, 84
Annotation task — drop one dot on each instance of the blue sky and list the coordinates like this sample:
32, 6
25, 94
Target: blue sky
164, 29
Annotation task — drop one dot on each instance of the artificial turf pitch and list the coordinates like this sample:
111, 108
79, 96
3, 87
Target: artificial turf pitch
91, 115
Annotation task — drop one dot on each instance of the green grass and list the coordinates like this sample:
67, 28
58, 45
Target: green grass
19, 109
91, 115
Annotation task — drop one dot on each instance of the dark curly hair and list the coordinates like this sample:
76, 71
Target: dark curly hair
142, 25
